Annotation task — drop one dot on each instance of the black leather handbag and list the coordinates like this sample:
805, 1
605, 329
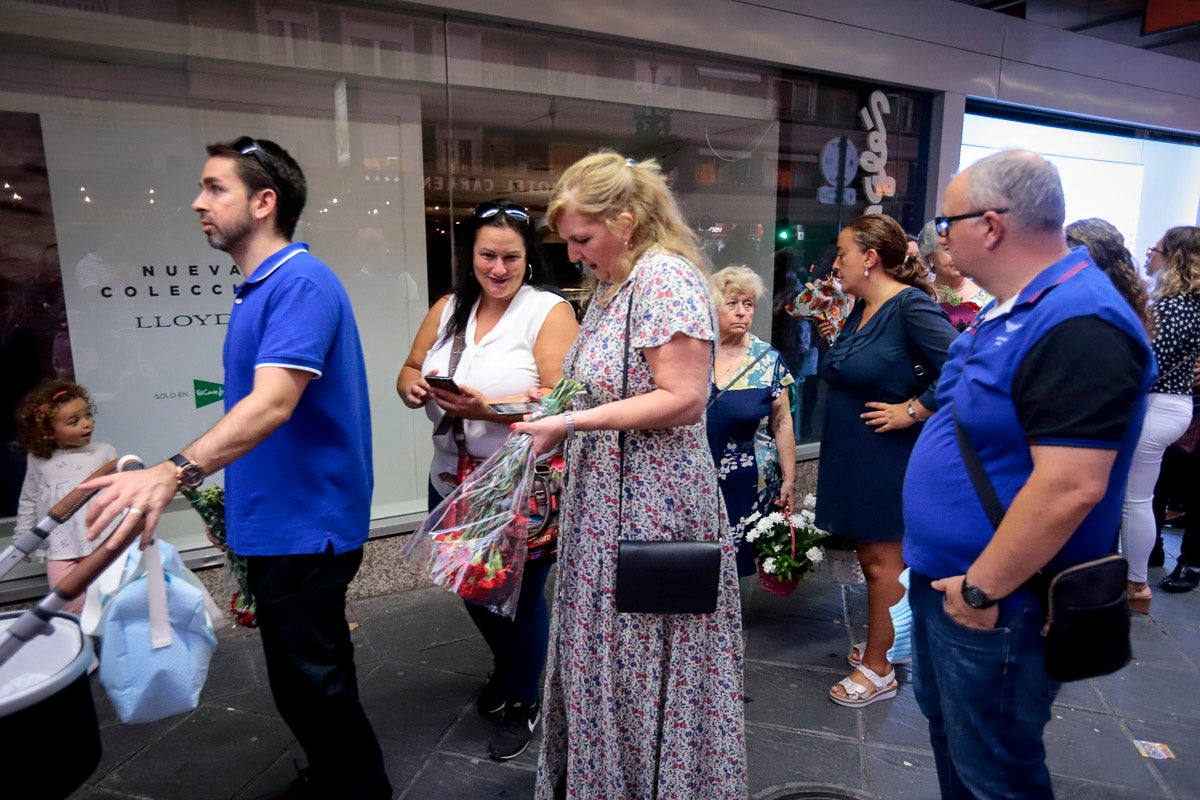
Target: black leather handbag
667, 577
661, 577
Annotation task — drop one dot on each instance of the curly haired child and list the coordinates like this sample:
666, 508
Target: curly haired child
54, 424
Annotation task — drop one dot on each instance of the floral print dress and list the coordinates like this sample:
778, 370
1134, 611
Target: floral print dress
640, 705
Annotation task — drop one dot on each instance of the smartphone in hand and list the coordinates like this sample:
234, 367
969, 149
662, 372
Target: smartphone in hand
443, 382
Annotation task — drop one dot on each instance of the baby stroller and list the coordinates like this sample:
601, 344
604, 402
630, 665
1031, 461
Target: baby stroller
45, 694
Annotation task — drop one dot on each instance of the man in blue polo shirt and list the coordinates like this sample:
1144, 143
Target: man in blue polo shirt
295, 442
1049, 384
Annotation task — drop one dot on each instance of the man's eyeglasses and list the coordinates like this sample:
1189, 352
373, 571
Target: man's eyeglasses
249, 147
515, 213
942, 224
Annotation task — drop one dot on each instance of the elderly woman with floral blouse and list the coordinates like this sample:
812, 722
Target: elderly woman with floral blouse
749, 422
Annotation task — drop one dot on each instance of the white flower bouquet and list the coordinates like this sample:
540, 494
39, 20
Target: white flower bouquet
786, 545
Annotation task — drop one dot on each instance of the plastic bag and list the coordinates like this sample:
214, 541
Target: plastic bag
475, 542
901, 613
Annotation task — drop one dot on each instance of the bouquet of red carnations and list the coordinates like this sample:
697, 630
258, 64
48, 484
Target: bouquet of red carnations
822, 300
475, 542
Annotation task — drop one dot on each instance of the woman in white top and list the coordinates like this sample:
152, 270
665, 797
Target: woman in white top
512, 336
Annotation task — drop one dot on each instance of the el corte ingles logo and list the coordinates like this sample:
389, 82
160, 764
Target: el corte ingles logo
207, 393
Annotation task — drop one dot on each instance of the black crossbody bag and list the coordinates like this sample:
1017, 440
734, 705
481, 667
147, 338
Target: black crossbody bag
1086, 633
661, 577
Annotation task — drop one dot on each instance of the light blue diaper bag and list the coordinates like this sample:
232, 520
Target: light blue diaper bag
155, 622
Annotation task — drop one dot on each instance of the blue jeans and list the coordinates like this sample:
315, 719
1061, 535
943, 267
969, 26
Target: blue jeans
986, 695
519, 644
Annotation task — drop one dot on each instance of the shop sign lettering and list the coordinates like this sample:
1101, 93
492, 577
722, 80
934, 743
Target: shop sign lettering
876, 184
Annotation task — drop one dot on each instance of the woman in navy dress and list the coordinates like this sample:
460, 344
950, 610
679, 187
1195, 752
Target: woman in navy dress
749, 418
881, 372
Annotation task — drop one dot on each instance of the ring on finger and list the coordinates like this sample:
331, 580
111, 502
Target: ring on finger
134, 510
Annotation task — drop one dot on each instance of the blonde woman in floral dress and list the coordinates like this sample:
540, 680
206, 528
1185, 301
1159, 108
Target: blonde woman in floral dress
637, 705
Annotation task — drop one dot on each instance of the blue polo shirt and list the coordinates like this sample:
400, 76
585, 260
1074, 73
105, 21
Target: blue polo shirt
308, 485
1069, 365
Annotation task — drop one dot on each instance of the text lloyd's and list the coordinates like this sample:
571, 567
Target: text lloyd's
182, 321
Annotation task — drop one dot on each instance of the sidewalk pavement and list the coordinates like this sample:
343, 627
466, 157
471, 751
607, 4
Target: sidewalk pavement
421, 663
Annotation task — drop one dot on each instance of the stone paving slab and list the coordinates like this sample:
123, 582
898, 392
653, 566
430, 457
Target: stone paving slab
421, 663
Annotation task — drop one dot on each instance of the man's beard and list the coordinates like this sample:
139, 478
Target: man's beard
231, 238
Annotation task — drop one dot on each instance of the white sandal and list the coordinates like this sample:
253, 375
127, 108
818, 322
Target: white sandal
858, 695
857, 651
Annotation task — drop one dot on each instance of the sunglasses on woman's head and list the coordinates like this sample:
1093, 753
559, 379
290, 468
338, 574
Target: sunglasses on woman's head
515, 214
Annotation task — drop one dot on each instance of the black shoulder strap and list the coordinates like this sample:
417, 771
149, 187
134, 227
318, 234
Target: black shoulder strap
712, 400
979, 477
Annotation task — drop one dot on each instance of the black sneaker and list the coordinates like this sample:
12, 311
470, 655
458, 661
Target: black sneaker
491, 696
515, 731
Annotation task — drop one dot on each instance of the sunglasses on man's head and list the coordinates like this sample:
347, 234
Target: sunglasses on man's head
515, 214
250, 147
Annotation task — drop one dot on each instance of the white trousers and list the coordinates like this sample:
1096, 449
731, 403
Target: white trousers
1167, 417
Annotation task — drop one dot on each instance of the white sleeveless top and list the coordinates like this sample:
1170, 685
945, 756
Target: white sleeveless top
499, 365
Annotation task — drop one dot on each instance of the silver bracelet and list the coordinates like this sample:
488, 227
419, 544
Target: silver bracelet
570, 420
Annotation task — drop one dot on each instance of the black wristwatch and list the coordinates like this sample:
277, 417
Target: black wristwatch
189, 474
976, 597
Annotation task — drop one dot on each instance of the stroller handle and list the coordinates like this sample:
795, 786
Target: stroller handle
91, 565
64, 509
29, 541
35, 620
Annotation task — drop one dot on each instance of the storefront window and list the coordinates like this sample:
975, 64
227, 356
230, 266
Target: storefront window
403, 122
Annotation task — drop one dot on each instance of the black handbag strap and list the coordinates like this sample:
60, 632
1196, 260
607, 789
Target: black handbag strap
621, 434
449, 421
712, 400
979, 477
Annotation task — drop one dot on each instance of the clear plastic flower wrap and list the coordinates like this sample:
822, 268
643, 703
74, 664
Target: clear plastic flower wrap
474, 542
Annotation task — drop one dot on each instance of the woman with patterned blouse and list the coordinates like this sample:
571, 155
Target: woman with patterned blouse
637, 705
1174, 263
750, 405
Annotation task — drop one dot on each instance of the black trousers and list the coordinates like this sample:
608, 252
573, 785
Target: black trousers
301, 609
1180, 480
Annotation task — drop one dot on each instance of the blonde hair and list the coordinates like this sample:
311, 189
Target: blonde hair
1180, 273
605, 185
737, 278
